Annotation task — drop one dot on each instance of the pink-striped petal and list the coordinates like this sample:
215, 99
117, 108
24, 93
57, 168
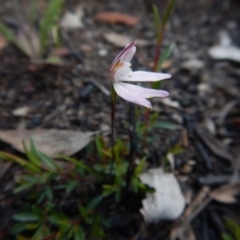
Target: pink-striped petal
143, 92
126, 49
130, 97
143, 76
128, 55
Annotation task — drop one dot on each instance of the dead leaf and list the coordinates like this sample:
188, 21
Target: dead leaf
216, 146
50, 142
116, 17
167, 64
60, 52
167, 202
194, 208
222, 114
226, 194
29, 41
120, 40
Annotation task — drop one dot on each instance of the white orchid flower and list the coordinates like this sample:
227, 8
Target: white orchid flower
120, 72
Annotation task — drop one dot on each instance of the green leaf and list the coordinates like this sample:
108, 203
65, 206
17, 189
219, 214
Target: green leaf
77, 163
234, 228
168, 11
100, 146
153, 117
176, 149
96, 228
49, 193
30, 178
165, 125
42, 232
18, 228
32, 153
38, 212
140, 167
57, 217
24, 186
49, 162
51, 15
41, 197
78, 233
94, 202
7, 33
20, 237
54, 60
135, 183
226, 237
71, 185
118, 195
157, 20
108, 190
29, 166
25, 217
164, 56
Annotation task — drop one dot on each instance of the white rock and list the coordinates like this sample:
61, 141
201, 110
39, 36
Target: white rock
21, 112
102, 52
170, 103
225, 50
167, 202
72, 20
193, 64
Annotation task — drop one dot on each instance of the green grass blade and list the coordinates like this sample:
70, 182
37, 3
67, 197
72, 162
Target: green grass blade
157, 20
77, 163
168, 12
51, 15
164, 56
49, 162
10, 37
29, 166
31, 153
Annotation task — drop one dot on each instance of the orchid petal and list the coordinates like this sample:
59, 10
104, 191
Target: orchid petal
143, 76
143, 92
128, 55
130, 97
127, 48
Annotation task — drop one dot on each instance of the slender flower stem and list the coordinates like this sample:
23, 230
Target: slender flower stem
158, 50
113, 110
133, 145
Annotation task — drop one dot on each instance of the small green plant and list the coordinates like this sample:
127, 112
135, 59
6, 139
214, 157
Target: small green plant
50, 185
32, 42
234, 230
